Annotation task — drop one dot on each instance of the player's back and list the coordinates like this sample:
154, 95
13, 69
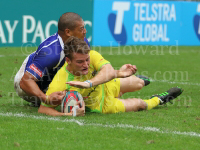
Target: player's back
46, 60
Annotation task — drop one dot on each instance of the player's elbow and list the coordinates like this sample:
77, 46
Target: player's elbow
110, 72
26, 81
39, 111
22, 83
42, 110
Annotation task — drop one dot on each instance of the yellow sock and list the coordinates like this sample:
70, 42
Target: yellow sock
151, 103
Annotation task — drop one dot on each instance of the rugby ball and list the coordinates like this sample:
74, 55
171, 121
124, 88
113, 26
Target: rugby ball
70, 100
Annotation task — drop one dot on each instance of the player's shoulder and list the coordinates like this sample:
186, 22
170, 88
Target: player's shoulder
50, 40
51, 45
62, 70
62, 73
50, 50
60, 78
94, 55
93, 52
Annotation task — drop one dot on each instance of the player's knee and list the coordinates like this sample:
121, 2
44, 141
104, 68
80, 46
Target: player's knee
140, 84
138, 104
134, 104
142, 105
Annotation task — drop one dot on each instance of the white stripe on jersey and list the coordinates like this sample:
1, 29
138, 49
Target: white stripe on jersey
61, 41
47, 45
62, 56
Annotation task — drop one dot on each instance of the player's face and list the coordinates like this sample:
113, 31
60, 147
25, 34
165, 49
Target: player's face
79, 31
80, 64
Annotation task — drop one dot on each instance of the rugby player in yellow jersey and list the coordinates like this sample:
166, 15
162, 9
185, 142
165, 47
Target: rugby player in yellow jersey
87, 72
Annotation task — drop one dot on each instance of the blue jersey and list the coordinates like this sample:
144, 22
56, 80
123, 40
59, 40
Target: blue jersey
44, 63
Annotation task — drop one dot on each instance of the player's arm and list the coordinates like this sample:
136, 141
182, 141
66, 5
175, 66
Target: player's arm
51, 111
126, 71
106, 71
35, 71
28, 84
106, 74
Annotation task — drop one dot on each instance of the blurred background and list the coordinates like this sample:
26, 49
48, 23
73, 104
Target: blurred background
108, 22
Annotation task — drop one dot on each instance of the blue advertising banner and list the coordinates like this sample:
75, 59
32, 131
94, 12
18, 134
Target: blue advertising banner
27, 23
129, 22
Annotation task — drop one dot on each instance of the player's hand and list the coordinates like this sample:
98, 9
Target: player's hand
79, 84
56, 98
80, 111
126, 71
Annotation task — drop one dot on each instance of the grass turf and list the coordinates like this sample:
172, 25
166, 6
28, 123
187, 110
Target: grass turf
167, 67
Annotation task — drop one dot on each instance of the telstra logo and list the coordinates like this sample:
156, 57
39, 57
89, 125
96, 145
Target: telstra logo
115, 22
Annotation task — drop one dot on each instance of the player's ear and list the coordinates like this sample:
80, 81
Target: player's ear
67, 32
67, 60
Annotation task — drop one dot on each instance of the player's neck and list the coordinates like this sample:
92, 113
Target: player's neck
63, 36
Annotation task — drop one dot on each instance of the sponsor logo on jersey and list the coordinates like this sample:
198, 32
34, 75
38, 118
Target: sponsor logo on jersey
35, 69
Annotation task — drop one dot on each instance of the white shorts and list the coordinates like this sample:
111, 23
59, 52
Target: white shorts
17, 80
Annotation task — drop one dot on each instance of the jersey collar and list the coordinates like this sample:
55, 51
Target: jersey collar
61, 41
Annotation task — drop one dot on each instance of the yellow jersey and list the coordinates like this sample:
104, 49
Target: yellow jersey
94, 96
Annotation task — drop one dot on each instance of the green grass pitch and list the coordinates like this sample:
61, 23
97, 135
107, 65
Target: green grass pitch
175, 126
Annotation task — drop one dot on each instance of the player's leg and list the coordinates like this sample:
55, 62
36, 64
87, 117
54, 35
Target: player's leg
130, 84
112, 104
115, 105
135, 104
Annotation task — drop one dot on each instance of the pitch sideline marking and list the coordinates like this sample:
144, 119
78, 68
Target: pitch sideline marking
81, 123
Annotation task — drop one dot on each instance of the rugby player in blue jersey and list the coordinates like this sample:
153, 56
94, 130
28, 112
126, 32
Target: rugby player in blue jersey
39, 68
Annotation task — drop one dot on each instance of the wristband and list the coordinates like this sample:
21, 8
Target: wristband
47, 99
88, 81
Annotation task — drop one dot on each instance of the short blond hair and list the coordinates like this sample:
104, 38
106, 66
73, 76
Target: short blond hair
75, 45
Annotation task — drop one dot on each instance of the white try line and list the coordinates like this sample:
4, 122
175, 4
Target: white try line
21, 115
173, 82
81, 123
